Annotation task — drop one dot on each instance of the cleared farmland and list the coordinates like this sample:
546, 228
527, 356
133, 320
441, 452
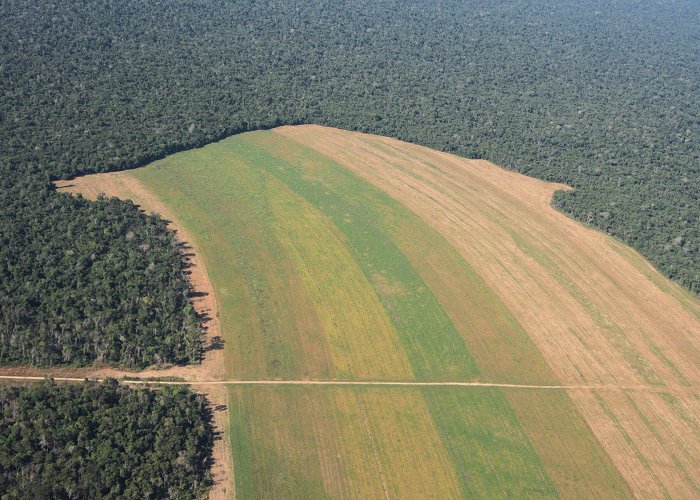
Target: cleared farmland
342, 256
594, 308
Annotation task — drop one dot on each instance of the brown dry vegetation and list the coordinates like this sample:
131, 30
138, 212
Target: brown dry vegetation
597, 312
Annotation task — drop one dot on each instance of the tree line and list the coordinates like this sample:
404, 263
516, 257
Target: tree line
604, 97
90, 282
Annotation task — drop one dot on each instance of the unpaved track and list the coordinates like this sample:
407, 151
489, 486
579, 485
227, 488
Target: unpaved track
222, 469
377, 383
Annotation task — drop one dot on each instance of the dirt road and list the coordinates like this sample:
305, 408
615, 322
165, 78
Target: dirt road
380, 383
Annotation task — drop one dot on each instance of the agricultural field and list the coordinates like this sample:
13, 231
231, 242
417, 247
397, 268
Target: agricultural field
339, 256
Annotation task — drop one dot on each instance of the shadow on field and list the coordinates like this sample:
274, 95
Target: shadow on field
216, 344
186, 253
203, 317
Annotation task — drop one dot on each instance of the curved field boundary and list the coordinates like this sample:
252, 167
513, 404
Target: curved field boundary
124, 186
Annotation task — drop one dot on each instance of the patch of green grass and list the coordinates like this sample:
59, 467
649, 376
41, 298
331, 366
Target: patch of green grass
360, 212
488, 447
273, 446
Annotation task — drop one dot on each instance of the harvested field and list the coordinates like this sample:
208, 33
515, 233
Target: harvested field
335, 255
594, 308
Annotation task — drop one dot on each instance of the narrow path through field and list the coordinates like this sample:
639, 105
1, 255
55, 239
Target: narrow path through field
381, 383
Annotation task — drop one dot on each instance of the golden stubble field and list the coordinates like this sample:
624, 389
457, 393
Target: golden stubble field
333, 255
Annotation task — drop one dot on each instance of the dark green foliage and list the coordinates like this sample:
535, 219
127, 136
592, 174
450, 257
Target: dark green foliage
603, 96
84, 282
103, 441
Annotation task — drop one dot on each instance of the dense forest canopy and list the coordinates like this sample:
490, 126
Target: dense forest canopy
602, 96
105, 286
103, 441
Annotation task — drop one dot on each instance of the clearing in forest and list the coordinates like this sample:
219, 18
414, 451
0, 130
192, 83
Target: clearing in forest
335, 255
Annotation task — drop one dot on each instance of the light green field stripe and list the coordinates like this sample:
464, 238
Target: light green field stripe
225, 204
357, 209
273, 445
489, 449
178, 182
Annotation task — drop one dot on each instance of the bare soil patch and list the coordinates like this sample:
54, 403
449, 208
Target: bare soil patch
222, 469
